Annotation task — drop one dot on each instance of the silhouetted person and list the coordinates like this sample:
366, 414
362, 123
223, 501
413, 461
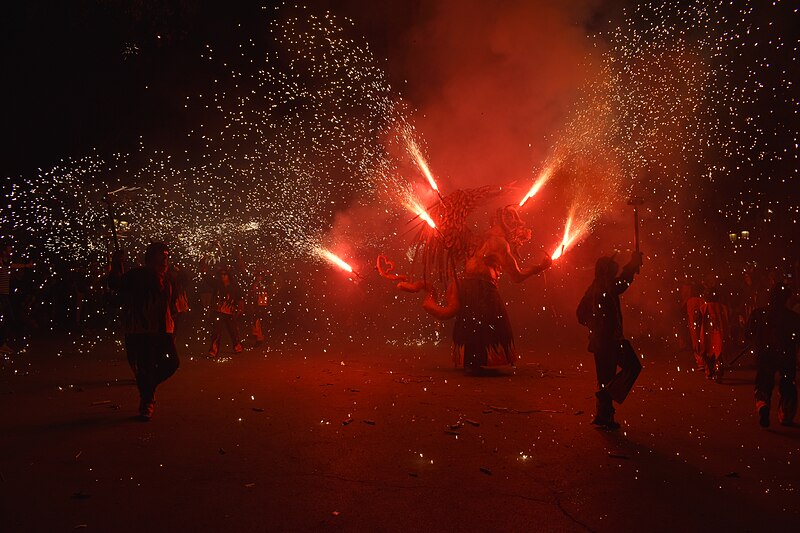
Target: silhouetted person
7, 318
205, 285
227, 303
147, 307
600, 311
259, 303
774, 331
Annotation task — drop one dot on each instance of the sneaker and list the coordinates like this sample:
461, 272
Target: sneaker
605, 423
763, 416
146, 410
605, 411
212, 353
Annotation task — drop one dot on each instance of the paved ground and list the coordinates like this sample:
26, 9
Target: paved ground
384, 438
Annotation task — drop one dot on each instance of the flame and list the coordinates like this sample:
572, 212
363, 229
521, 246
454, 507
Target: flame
335, 259
560, 250
421, 213
415, 152
543, 178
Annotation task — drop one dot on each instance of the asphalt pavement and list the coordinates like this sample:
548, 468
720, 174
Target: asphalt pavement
377, 437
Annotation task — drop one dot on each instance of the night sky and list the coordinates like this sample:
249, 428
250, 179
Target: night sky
276, 131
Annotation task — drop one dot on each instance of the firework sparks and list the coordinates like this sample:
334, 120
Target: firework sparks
683, 110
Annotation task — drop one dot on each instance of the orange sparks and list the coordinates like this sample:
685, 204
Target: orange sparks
333, 258
415, 152
538, 184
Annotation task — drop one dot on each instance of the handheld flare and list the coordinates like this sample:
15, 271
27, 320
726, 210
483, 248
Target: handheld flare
336, 260
543, 178
415, 152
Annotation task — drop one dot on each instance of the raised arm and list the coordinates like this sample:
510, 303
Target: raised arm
625, 278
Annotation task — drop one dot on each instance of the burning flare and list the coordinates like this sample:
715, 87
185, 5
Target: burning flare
570, 236
418, 210
415, 152
333, 258
543, 178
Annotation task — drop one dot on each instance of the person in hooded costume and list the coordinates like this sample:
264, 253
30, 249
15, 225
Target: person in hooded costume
600, 311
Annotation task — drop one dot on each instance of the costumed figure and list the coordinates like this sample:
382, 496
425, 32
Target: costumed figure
482, 336
228, 307
715, 335
694, 316
181, 280
259, 304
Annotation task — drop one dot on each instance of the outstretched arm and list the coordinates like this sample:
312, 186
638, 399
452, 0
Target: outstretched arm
449, 309
510, 265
